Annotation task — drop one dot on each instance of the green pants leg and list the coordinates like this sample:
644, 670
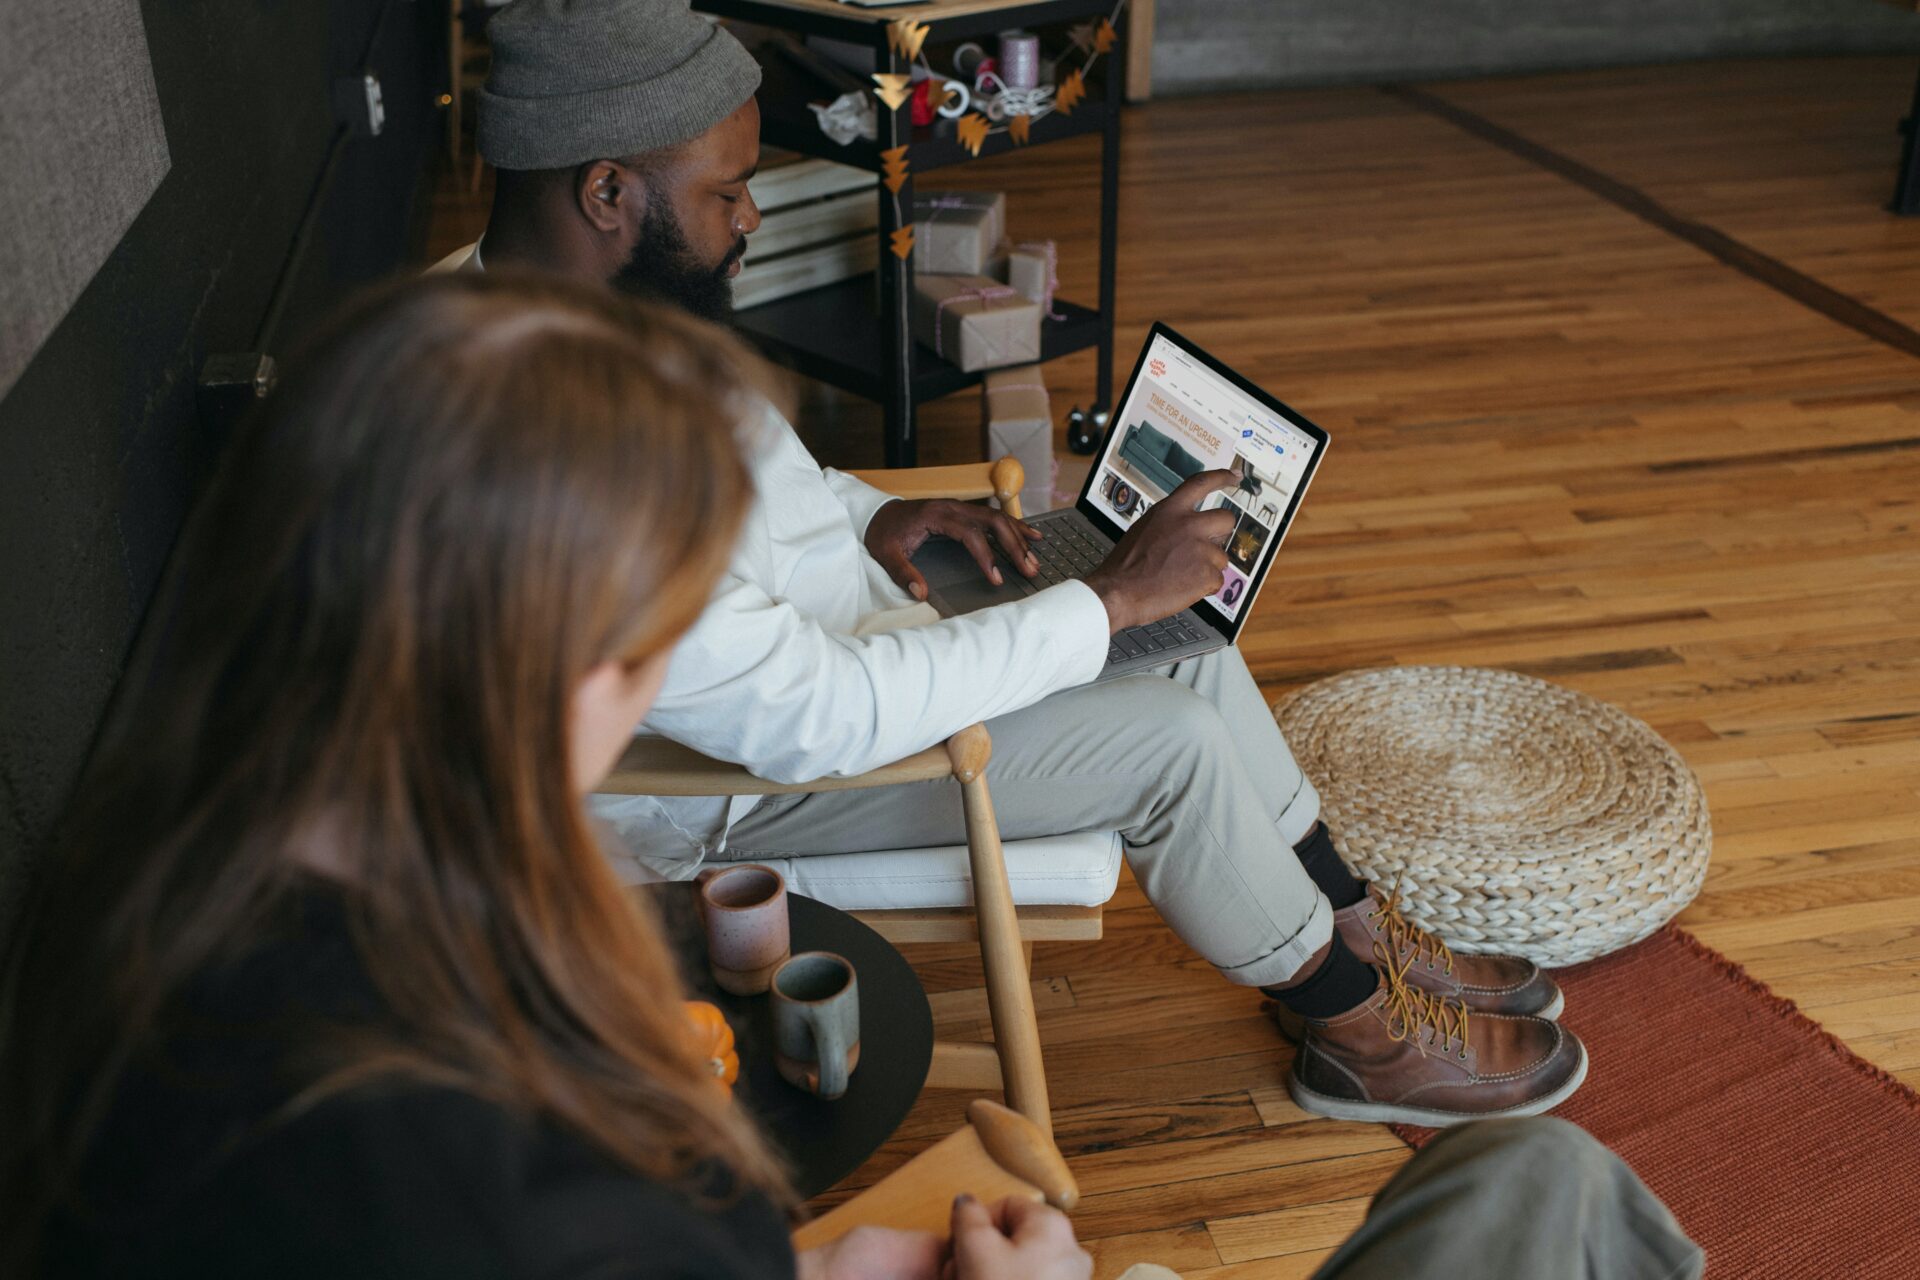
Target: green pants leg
1535, 1198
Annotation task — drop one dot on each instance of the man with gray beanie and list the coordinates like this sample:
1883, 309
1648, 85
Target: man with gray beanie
622, 136
624, 133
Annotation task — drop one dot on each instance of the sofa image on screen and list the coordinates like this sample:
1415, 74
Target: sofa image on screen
1158, 459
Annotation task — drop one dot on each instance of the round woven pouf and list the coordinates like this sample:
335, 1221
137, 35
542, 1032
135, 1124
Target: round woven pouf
1516, 816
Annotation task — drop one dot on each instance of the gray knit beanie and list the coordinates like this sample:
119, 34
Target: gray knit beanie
580, 80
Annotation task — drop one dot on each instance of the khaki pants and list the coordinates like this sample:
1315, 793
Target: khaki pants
1531, 1198
1187, 765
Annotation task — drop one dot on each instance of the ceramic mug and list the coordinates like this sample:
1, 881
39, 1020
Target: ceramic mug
816, 1022
744, 910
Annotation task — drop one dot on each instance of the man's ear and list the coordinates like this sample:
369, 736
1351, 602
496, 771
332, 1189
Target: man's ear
610, 195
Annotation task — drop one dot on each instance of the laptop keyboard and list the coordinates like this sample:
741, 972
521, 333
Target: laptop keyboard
1069, 551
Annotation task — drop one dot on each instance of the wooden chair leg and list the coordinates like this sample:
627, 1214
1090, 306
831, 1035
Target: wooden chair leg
1016, 1031
456, 54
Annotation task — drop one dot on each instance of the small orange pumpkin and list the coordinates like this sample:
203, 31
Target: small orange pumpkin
713, 1039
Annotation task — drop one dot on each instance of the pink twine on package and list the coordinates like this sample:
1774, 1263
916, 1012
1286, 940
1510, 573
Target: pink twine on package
947, 200
1060, 495
1047, 248
986, 295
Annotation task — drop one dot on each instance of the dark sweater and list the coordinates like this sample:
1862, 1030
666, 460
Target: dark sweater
189, 1179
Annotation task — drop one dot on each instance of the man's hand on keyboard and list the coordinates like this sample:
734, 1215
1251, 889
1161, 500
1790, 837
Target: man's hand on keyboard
1171, 557
899, 528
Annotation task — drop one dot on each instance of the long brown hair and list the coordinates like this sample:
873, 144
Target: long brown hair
468, 494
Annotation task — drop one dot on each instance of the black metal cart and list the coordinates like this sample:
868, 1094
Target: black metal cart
836, 333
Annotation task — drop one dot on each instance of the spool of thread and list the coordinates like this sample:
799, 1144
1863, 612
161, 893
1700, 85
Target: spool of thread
1020, 59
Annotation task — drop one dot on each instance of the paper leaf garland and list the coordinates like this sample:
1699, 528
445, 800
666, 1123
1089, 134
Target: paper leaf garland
1081, 34
906, 36
902, 241
1071, 90
973, 131
892, 89
1103, 36
893, 167
1017, 130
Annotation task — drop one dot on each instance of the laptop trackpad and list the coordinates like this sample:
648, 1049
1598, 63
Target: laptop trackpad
956, 583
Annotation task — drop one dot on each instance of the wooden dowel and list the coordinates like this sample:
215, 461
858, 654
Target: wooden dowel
1009, 993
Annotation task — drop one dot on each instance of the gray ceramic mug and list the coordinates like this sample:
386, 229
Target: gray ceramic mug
816, 1022
745, 911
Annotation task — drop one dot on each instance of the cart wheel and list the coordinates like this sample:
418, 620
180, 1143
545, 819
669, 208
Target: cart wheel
1083, 433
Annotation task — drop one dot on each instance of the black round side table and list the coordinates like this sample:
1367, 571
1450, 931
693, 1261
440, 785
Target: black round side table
823, 1141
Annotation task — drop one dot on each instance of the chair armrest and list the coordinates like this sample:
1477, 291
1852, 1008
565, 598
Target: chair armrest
1001, 480
657, 767
999, 1153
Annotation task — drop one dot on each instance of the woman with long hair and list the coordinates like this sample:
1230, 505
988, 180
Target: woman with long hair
328, 976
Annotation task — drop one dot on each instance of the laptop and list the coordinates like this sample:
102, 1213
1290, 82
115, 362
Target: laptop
1183, 412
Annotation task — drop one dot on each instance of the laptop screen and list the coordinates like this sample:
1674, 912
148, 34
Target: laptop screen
1181, 416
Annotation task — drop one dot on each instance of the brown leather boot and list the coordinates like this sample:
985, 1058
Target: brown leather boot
1485, 984
1412, 1057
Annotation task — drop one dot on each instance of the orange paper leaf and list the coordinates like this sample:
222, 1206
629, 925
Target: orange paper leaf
893, 164
1071, 90
1103, 37
973, 131
1017, 129
1081, 34
891, 89
902, 241
906, 36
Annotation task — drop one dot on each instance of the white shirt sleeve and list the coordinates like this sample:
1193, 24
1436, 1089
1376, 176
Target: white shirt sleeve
860, 499
761, 683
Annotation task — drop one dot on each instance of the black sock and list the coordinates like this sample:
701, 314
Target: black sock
1317, 855
1343, 981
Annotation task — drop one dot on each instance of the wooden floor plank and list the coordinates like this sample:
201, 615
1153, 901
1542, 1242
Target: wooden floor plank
1309, 1228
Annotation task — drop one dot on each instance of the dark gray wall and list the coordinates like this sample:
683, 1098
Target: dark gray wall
101, 448
1236, 44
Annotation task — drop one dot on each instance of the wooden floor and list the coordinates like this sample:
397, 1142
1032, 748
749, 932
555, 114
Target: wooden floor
1566, 442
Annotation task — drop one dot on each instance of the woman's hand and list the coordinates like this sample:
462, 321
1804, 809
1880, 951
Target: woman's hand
876, 1253
1015, 1240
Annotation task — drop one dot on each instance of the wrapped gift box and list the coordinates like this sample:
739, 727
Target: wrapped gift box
957, 232
1033, 271
975, 321
1016, 420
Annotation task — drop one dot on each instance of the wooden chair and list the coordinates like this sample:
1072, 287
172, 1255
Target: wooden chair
1005, 931
999, 1153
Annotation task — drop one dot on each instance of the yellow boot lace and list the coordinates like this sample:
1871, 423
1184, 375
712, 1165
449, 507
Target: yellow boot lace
1404, 934
1430, 1021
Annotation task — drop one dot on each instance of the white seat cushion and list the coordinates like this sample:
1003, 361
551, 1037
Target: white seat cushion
1077, 870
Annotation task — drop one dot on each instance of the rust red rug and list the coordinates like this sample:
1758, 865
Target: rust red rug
1781, 1152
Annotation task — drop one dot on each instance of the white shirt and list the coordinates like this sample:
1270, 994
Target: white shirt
810, 662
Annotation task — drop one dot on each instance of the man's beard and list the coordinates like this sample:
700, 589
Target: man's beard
663, 267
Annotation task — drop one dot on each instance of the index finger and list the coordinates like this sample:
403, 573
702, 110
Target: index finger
1022, 1218
1214, 526
974, 1233
1012, 535
1200, 484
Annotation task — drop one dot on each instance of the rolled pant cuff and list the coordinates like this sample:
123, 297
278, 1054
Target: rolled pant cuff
1297, 820
1284, 961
